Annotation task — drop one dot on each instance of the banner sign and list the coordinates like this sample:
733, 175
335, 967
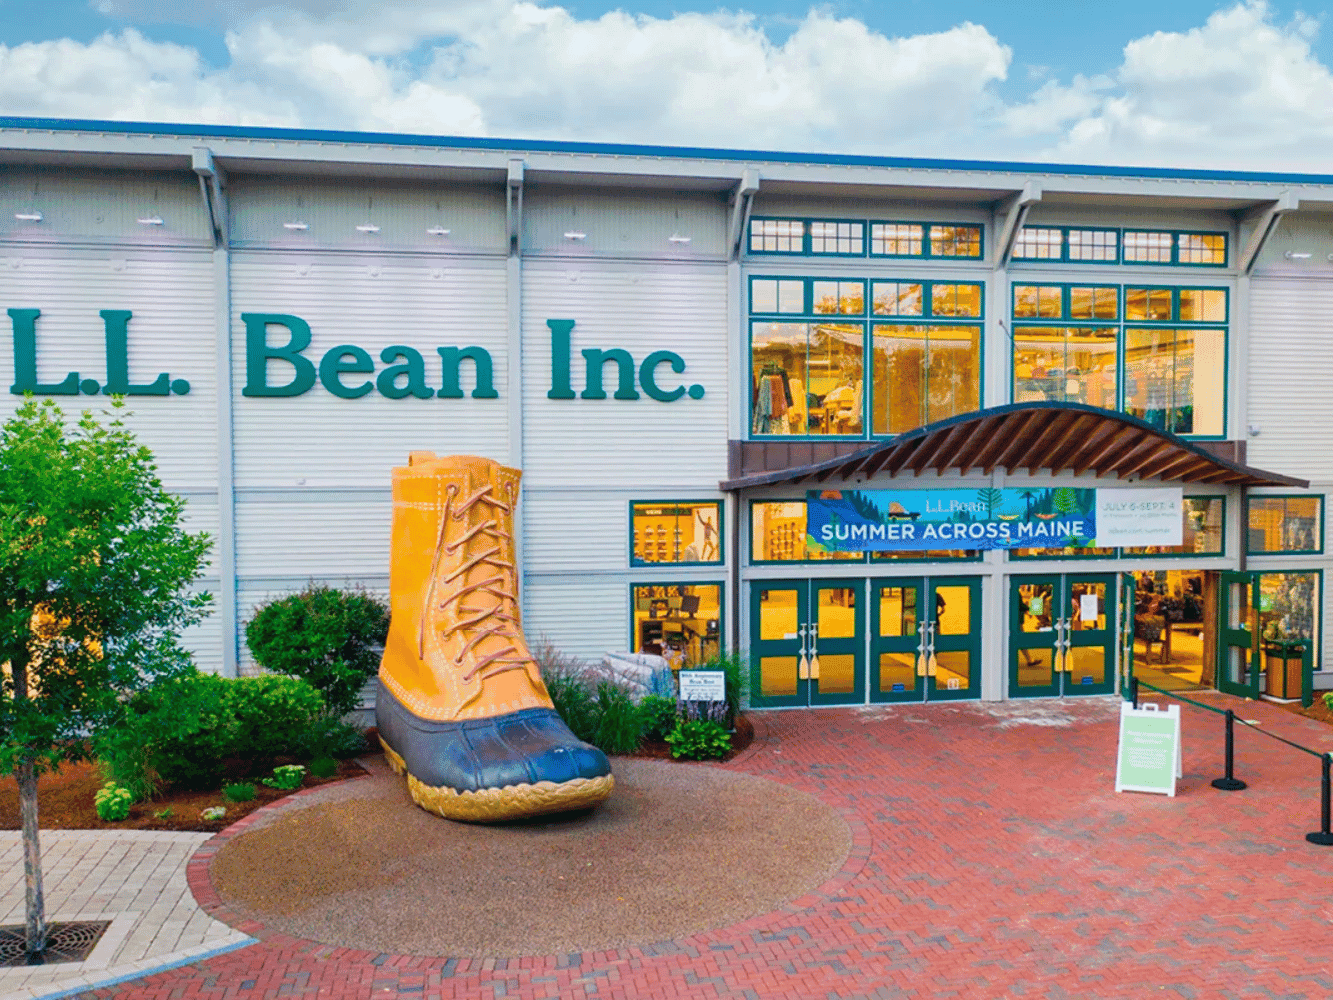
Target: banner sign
902, 520
1149, 758
1038, 518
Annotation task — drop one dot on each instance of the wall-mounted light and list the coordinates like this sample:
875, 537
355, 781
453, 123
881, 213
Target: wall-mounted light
28, 216
437, 231
152, 220
367, 227
296, 225
1297, 255
576, 236
676, 238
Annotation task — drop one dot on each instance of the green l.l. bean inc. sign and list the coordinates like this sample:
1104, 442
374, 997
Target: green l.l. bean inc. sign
1149, 756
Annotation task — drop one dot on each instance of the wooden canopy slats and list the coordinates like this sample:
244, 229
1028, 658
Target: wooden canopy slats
1061, 437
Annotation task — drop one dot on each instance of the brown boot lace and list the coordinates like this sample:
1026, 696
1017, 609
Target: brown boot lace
501, 622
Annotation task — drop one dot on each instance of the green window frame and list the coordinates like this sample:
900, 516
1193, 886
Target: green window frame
666, 611
1275, 610
1160, 332
785, 533
654, 516
832, 237
1294, 539
1122, 245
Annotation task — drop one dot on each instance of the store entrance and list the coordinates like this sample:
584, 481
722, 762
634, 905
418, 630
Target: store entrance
1175, 627
925, 638
1061, 634
807, 642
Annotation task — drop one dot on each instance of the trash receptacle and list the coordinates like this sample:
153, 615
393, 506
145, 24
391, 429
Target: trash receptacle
1282, 662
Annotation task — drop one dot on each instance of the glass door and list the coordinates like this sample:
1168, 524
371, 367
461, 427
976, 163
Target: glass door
1239, 671
1061, 635
1128, 591
916, 656
807, 642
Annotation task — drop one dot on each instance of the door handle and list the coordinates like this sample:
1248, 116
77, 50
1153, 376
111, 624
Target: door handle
803, 665
814, 653
1059, 665
931, 666
921, 659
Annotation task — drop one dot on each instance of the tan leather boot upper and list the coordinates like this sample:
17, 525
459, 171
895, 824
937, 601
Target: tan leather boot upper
455, 648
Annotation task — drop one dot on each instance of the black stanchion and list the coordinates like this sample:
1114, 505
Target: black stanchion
1134, 690
1323, 836
1230, 783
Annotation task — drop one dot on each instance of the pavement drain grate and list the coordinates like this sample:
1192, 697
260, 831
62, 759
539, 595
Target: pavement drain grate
71, 941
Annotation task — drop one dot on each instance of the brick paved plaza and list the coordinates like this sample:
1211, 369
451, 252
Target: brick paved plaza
991, 858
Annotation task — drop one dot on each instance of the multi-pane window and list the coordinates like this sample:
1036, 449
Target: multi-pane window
847, 238
679, 621
1285, 524
1127, 246
778, 534
684, 532
829, 372
1202, 531
1156, 353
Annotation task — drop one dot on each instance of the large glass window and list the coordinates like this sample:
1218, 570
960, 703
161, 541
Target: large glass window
1289, 606
676, 532
1202, 533
808, 378
924, 373
778, 534
679, 621
1115, 246
1071, 344
1285, 524
848, 238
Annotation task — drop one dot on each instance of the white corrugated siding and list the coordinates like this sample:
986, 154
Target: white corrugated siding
103, 207
625, 224
580, 616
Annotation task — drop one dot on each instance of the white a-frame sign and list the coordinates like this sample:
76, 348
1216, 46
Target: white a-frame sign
1149, 758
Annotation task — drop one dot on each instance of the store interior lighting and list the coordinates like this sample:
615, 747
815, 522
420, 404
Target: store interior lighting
28, 216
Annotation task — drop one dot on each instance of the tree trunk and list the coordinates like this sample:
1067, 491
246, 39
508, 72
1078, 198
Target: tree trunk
32, 858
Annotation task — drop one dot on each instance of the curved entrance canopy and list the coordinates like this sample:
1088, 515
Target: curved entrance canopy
1061, 437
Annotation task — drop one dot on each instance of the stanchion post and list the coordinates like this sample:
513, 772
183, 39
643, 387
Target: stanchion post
1323, 836
1134, 690
1230, 783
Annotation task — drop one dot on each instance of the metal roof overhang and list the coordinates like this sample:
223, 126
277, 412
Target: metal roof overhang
1061, 437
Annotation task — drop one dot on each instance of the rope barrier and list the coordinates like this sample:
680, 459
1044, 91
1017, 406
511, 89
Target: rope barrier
1223, 711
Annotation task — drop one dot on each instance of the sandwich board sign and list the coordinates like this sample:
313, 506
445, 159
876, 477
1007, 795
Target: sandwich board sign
703, 685
1149, 757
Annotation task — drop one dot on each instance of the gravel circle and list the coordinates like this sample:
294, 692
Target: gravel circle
675, 850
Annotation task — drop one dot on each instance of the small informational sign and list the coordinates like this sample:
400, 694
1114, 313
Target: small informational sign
1088, 607
703, 685
1149, 758
1147, 516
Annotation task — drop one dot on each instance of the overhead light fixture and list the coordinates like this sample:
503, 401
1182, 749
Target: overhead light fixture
437, 231
296, 225
152, 220
675, 238
576, 236
1297, 255
367, 227
28, 216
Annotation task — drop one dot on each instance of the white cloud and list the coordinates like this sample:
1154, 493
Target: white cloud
1238, 90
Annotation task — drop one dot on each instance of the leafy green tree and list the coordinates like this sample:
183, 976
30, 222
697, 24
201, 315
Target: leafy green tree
94, 570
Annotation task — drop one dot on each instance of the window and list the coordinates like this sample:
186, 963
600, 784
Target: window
777, 236
778, 534
679, 621
1164, 363
847, 238
676, 532
897, 239
809, 369
955, 241
837, 237
1202, 533
1069, 244
1289, 606
1285, 524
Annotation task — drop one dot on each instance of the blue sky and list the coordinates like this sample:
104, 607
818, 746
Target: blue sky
1238, 84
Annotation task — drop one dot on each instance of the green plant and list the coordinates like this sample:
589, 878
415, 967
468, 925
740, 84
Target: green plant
166, 813
698, 739
95, 570
658, 714
113, 802
325, 636
328, 736
241, 791
286, 777
323, 767
1328, 701
213, 813
619, 724
566, 679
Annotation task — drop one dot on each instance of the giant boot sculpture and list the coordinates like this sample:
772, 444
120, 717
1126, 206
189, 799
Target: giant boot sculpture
461, 706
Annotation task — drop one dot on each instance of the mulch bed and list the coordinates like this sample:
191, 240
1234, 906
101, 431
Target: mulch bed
740, 740
1318, 711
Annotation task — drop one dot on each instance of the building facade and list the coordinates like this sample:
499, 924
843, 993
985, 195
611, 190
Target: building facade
685, 349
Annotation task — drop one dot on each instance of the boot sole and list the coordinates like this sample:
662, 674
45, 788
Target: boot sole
491, 805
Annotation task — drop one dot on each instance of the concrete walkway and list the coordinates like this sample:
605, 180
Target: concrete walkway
133, 878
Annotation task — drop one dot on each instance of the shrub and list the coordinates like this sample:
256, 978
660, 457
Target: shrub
323, 767
329, 736
698, 739
212, 813
322, 635
113, 802
1328, 701
166, 813
658, 714
184, 730
286, 777
619, 725
241, 791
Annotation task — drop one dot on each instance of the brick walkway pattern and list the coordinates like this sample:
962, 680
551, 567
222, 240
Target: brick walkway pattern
991, 859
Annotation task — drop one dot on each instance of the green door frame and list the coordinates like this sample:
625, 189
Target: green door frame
1060, 638
928, 639
1243, 636
908, 645
1129, 588
790, 646
822, 646
804, 646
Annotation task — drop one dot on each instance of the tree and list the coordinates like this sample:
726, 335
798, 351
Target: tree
94, 566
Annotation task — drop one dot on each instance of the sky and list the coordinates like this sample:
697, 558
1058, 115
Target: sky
1241, 85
